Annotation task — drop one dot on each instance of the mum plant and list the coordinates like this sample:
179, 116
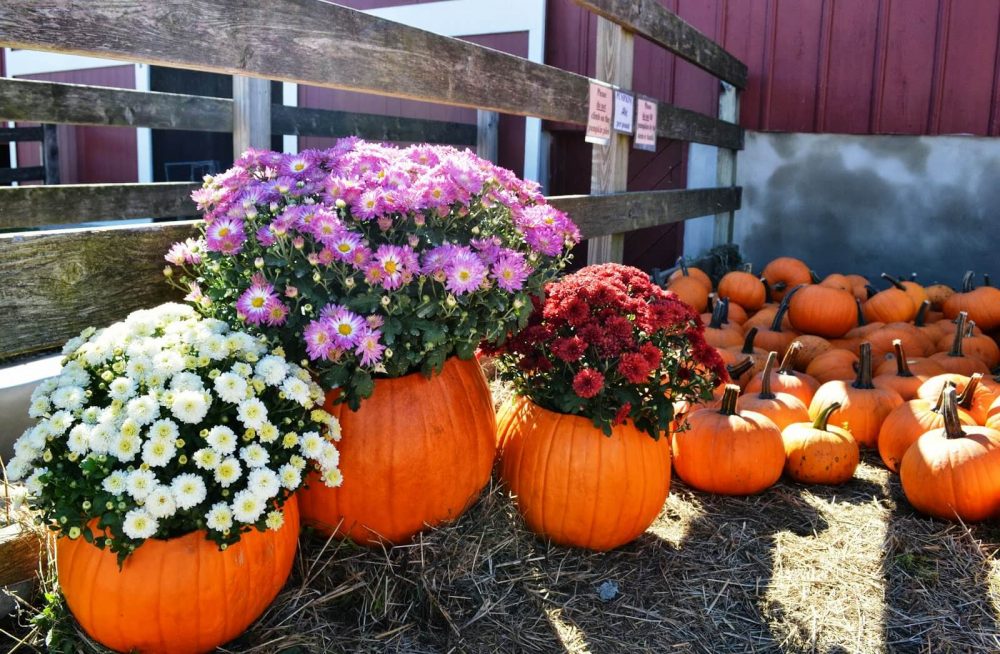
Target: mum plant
607, 344
167, 423
366, 260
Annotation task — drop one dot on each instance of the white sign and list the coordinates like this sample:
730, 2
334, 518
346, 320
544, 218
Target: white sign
645, 125
624, 110
599, 114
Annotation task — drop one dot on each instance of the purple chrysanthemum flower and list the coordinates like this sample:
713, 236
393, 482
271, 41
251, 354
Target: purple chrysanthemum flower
265, 237
510, 270
225, 235
255, 302
319, 340
344, 245
325, 226
368, 206
464, 273
186, 252
296, 165
369, 348
346, 327
392, 260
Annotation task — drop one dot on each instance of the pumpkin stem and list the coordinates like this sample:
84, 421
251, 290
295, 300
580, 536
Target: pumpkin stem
902, 367
729, 397
956, 344
967, 281
952, 425
872, 291
716, 322
894, 281
779, 316
737, 370
970, 330
864, 378
748, 341
765, 381
986, 279
813, 277
824, 416
921, 318
861, 313
767, 290
788, 361
683, 266
913, 276
969, 392
939, 405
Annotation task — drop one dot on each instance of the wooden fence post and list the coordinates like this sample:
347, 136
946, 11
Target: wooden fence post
50, 153
488, 135
251, 114
609, 172
725, 171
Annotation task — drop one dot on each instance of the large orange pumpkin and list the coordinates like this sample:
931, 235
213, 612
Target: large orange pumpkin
822, 310
819, 453
690, 291
577, 486
729, 452
973, 395
417, 452
180, 595
951, 473
908, 422
903, 381
835, 364
744, 289
785, 273
890, 305
981, 304
683, 270
719, 333
863, 407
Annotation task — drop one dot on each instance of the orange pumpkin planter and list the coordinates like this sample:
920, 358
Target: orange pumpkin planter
818, 453
577, 486
417, 452
180, 595
729, 452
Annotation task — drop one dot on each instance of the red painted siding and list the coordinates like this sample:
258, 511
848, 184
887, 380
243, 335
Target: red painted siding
90, 155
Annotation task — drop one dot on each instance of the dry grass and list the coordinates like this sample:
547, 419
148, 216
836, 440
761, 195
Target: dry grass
796, 569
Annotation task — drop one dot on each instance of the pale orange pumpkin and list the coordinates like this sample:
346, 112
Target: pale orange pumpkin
819, 453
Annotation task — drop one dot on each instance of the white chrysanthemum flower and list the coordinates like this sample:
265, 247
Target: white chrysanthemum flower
115, 483
139, 524
125, 448
17, 468
26, 449
103, 437
275, 520
296, 390
219, 517
155, 381
248, 507
222, 439
122, 388
45, 387
228, 471
60, 421
186, 381
73, 374
91, 415
214, 347
290, 476
244, 370
143, 409
231, 387
40, 406
254, 455
301, 374
138, 367
252, 413
329, 457
206, 458
245, 343
333, 429
297, 461
95, 353
263, 482
158, 452
73, 344
168, 362
272, 370
70, 398
79, 439
332, 477
268, 433
140, 483
311, 444
190, 406
160, 502
129, 428
34, 483
164, 429
189, 490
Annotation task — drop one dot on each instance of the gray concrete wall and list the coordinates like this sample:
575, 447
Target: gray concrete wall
866, 204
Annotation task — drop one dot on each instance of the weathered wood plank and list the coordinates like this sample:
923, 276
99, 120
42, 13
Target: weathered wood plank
67, 204
725, 167
57, 284
25, 174
662, 26
488, 135
320, 43
599, 215
50, 153
304, 121
20, 134
251, 114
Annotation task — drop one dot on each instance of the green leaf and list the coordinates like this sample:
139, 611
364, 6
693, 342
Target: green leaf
362, 383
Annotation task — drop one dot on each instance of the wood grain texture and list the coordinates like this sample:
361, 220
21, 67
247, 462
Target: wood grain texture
50, 153
599, 215
725, 167
319, 43
304, 121
488, 135
57, 284
251, 114
33, 206
662, 26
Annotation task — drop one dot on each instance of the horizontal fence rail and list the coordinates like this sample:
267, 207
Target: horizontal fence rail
67, 204
323, 44
78, 104
58, 283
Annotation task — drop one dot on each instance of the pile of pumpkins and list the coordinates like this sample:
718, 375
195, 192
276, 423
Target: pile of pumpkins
908, 370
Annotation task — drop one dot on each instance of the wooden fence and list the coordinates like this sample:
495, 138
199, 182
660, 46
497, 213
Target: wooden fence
56, 282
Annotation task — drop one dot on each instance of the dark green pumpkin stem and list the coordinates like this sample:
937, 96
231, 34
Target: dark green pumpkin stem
969, 392
768, 297
952, 425
788, 361
813, 277
970, 329
939, 405
902, 367
986, 279
716, 322
967, 281
864, 378
824, 416
748, 341
872, 291
956, 344
765, 380
737, 370
729, 398
861, 313
892, 280
779, 316
921, 319
683, 266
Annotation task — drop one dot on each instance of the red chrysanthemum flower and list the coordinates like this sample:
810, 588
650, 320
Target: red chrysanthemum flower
634, 368
587, 383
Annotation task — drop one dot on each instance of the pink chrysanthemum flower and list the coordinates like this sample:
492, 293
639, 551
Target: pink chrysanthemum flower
325, 226
510, 271
344, 245
225, 235
369, 348
296, 165
265, 237
464, 273
186, 252
368, 206
391, 259
277, 313
319, 340
255, 302
346, 327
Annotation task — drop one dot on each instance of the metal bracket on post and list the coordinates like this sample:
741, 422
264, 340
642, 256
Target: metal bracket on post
251, 114
725, 172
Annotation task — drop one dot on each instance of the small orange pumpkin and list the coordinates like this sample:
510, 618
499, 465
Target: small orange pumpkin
785, 273
684, 270
974, 396
951, 472
955, 360
729, 452
903, 381
743, 289
717, 332
811, 347
822, 310
908, 422
782, 408
690, 291
833, 365
817, 453
981, 304
890, 305
786, 379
